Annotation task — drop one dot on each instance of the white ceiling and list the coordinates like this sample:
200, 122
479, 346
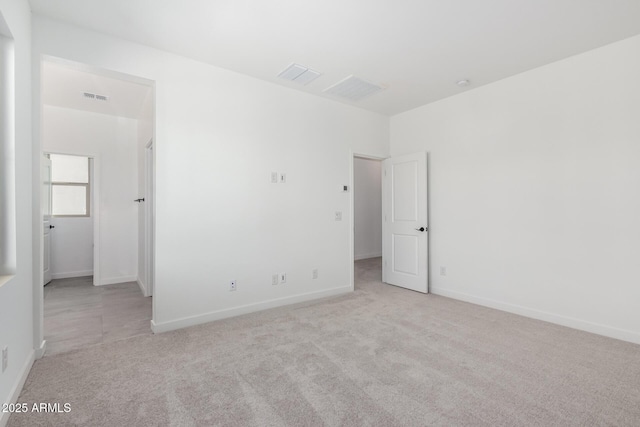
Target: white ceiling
418, 49
64, 86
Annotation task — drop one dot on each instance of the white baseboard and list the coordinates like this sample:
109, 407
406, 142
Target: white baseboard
367, 256
17, 387
39, 352
245, 309
143, 287
71, 274
114, 280
583, 325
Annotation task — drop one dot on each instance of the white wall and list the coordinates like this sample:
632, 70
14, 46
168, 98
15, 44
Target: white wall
113, 140
218, 137
367, 201
16, 302
534, 191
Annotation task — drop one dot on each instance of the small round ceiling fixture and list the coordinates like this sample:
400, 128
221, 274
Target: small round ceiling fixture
463, 83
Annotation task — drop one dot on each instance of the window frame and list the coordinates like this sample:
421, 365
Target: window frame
75, 184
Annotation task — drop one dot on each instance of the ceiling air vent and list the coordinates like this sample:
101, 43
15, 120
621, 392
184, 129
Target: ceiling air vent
90, 95
353, 89
299, 74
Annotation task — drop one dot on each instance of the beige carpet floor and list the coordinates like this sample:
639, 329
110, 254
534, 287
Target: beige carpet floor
382, 356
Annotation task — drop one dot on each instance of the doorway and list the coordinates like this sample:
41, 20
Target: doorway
100, 271
367, 219
367, 200
403, 196
69, 214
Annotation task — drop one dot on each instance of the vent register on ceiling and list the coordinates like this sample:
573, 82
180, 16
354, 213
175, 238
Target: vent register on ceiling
97, 97
351, 88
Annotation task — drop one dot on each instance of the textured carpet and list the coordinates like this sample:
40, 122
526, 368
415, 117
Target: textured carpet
381, 356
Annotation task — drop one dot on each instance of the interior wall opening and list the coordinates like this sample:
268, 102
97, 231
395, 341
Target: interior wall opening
367, 211
95, 127
68, 217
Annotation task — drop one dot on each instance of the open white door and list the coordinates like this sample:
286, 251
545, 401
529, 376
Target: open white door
46, 218
404, 222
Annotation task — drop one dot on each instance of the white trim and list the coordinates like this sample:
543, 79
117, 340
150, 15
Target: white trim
143, 287
369, 157
114, 280
149, 214
37, 235
158, 327
39, 352
81, 66
571, 322
352, 223
17, 387
70, 153
71, 274
95, 201
367, 256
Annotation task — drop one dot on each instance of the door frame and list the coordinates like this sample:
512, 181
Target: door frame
39, 343
352, 214
149, 214
45, 160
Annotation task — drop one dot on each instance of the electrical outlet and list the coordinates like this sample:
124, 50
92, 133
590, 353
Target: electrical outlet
314, 273
5, 358
283, 277
233, 286
338, 216
443, 271
274, 279
274, 177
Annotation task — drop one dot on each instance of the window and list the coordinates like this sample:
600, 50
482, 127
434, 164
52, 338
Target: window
7, 158
70, 190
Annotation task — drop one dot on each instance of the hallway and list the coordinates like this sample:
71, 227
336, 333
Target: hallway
78, 314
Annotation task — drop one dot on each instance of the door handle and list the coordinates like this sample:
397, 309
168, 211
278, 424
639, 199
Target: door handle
52, 226
422, 229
